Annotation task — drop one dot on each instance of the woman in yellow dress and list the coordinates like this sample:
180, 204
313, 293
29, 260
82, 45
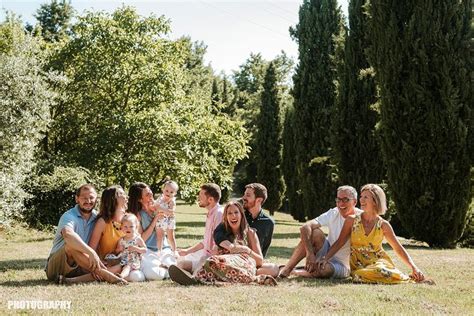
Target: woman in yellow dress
369, 262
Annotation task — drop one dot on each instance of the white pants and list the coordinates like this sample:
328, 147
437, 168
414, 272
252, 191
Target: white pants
152, 264
196, 259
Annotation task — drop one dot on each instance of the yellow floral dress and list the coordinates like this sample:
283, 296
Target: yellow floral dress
369, 262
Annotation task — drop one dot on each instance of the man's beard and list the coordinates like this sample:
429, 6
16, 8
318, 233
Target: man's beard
247, 205
85, 210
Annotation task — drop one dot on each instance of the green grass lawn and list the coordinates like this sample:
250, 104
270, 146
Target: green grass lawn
23, 253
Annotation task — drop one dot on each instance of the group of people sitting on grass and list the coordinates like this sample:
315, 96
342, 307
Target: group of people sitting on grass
132, 239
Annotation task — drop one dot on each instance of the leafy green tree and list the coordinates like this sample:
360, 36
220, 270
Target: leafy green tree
420, 52
55, 19
268, 143
355, 141
24, 111
320, 21
137, 106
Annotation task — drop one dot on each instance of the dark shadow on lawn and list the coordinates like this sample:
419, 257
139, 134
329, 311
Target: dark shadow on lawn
309, 282
386, 247
189, 236
39, 239
286, 235
26, 283
289, 223
193, 214
280, 252
22, 264
190, 224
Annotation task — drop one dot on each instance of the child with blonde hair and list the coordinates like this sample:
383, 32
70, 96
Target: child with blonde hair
131, 246
165, 205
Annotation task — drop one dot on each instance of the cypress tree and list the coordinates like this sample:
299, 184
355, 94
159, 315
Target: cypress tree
420, 52
215, 98
293, 202
355, 144
314, 93
268, 149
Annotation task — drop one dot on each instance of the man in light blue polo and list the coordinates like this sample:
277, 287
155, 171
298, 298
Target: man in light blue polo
71, 256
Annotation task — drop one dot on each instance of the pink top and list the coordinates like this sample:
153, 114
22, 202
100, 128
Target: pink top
214, 218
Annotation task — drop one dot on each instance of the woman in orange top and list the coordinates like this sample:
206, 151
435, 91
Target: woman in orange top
107, 233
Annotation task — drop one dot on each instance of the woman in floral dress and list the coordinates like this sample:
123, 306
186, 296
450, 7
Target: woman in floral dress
369, 262
238, 257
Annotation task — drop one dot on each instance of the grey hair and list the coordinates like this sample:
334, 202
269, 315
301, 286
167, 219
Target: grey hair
347, 188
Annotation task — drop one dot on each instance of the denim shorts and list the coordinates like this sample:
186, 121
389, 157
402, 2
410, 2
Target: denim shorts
340, 270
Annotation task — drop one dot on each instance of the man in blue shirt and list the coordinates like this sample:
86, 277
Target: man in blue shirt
71, 256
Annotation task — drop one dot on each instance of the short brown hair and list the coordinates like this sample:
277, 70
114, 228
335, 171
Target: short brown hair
86, 186
259, 190
212, 190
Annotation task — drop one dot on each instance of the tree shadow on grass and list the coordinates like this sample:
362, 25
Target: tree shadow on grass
286, 236
280, 252
190, 224
189, 236
27, 283
387, 247
310, 282
288, 223
39, 239
18, 265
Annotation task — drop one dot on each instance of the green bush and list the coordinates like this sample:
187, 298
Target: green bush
53, 194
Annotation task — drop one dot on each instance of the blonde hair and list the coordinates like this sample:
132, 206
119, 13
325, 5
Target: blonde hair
131, 218
378, 195
172, 184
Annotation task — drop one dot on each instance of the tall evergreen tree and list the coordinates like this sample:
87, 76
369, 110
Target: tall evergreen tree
355, 143
55, 19
268, 142
314, 93
215, 98
420, 53
293, 202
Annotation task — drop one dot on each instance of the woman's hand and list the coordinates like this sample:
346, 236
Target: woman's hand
417, 274
240, 249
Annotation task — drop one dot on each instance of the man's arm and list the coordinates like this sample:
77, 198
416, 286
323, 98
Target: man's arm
74, 242
192, 249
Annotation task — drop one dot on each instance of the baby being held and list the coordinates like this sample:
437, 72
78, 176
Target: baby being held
165, 206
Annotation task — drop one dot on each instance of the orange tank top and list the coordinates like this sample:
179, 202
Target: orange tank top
109, 239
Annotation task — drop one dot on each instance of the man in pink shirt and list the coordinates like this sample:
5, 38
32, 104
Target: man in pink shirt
209, 197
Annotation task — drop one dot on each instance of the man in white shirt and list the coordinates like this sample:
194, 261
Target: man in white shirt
314, 245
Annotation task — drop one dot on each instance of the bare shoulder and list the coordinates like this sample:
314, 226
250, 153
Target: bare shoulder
252, 231
385, 224
99, 225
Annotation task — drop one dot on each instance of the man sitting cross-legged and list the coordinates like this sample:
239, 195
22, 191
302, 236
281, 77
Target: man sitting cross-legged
70, 256
314, 245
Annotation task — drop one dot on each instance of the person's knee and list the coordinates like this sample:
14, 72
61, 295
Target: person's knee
325, 273
318, 238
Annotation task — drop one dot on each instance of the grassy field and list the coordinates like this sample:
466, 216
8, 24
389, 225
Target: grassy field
23, 253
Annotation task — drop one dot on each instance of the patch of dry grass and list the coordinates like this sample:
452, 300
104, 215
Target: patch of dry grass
23, 253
